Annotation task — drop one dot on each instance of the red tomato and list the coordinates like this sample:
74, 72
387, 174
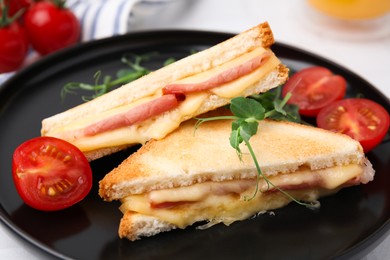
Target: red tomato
51, 28
314, 88
50, 173
364, 120
13, 47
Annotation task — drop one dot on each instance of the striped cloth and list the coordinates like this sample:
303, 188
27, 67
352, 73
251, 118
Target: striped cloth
102, 18
98, 19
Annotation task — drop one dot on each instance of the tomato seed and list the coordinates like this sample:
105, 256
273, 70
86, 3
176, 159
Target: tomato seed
59, 188
51, 192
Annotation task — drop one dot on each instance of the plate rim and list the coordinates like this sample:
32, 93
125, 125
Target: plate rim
361, 248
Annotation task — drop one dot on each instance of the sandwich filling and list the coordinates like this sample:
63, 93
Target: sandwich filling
158, 114
234, 200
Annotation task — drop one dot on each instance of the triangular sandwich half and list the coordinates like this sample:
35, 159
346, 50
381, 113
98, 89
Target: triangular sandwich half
156, 104
192, 176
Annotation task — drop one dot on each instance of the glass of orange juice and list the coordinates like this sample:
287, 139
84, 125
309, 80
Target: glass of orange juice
352, 9
344, 18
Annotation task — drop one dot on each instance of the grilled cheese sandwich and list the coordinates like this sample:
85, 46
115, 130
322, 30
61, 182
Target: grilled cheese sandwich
190, 177
240, 66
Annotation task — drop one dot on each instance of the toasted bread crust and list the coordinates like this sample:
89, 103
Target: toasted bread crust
260, 35
133, 226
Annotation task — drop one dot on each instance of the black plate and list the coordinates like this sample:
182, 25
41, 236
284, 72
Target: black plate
348, 224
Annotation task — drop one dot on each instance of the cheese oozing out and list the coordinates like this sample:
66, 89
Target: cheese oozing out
159, 126
228, 201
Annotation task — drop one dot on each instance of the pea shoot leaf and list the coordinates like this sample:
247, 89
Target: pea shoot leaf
247, 108
248, 129
235, 140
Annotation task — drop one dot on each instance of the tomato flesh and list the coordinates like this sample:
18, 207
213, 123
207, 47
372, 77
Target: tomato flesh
364, 120
314, 88
51, 174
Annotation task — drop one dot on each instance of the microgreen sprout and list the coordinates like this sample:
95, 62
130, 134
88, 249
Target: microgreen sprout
104, 84
247, 112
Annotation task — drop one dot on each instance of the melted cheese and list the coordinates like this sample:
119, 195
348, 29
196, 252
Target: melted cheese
93, 118
158, 127
205, 201
203, 76
237, 87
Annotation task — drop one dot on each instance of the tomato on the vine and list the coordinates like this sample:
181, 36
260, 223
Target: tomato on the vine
314, 88
13, 43
50, 173
50, 26
364, 120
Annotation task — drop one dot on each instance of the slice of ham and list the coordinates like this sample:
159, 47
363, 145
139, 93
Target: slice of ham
172, 95
220, 79
134, 115
299, 180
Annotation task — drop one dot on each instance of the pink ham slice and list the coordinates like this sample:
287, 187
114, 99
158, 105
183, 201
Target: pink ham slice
172, 95
283, 182
134, 115
222, 78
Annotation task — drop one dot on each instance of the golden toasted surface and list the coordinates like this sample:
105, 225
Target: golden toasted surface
187, 156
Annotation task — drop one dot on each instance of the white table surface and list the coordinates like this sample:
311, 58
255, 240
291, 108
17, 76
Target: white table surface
368, 57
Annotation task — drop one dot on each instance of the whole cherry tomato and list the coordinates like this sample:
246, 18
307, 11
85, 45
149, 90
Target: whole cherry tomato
13, 44
50, 173
51, 27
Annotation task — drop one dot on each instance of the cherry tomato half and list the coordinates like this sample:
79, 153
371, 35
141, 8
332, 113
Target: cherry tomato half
314, 88
50, 173
51, 28
364, 120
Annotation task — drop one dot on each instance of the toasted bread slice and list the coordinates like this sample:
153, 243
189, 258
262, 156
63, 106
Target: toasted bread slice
195, 175
186, 156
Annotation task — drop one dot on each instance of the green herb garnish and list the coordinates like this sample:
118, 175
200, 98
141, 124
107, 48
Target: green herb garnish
247, 112
103, 85
6, 20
